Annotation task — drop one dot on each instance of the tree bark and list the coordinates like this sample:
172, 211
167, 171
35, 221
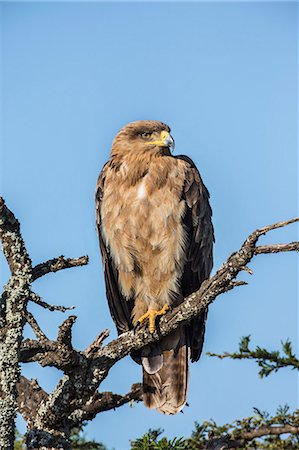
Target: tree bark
76, 397
13, 309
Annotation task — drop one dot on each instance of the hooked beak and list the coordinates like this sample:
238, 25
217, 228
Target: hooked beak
166, 140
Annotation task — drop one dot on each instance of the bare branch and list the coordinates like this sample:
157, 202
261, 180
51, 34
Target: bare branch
104, 401
59, 354
269, 430
276, 225
30, 396
55, 264
85, 371
13, 308
246, 269
65, 332
12, 242
192, 306
234, 284
277, 248
37, 299
93, 348
35, 327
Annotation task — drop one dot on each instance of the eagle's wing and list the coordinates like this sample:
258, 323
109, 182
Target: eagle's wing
199, 256
120, 308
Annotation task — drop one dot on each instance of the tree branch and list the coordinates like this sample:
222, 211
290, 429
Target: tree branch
105, 401
269, 431
63, 398
30, 396
37, 299
241, 433
55, 264
277, 248
268, 361
13, 310
35, 327
85, 371
59, 353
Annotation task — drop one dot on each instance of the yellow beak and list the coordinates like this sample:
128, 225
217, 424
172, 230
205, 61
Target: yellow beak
165, 140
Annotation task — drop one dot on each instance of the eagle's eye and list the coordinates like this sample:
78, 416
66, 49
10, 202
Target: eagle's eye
145, 135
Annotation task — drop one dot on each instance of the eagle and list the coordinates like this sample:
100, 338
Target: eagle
156, 236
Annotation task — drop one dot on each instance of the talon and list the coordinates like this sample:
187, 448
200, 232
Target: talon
151, 317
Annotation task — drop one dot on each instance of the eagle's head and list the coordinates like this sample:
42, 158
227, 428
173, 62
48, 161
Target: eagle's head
143, 135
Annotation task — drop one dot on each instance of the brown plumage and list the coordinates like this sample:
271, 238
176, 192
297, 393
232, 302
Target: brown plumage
156, 238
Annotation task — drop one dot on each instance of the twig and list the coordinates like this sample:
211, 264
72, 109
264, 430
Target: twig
277, 248
37, 299
65, 332
267, 361
59, 353
246, 269
93, 348
35, 327
55, 264
105, 401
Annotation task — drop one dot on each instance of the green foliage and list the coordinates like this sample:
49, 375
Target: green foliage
268, 361
244, 344
203, 433
19, 441
149, 441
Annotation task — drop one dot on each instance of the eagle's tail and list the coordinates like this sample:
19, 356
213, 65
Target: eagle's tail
166, 390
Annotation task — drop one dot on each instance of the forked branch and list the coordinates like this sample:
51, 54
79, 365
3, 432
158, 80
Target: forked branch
76, 397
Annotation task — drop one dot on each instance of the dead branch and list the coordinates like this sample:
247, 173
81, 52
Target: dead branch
77, 390
105, 401
277, 248
55, 264
35, 327
93, 348
30, 396
59, 353
37, 299
13, 310
64, 402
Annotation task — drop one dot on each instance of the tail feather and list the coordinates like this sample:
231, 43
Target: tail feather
166, 390
152, 358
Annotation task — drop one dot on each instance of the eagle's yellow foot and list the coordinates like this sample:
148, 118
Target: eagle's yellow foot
151, 317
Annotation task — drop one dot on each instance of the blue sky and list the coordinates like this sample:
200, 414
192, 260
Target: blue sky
224, 77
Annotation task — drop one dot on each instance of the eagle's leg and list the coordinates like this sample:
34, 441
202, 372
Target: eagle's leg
151, 317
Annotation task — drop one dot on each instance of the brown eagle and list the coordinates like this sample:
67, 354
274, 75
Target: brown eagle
156, 239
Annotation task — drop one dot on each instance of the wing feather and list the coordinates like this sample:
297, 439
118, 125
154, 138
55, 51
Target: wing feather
120, 308
200, 238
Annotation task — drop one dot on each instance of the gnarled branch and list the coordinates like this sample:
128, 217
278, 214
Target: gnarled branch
55, 264
12, 320
72, 391
84, 371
